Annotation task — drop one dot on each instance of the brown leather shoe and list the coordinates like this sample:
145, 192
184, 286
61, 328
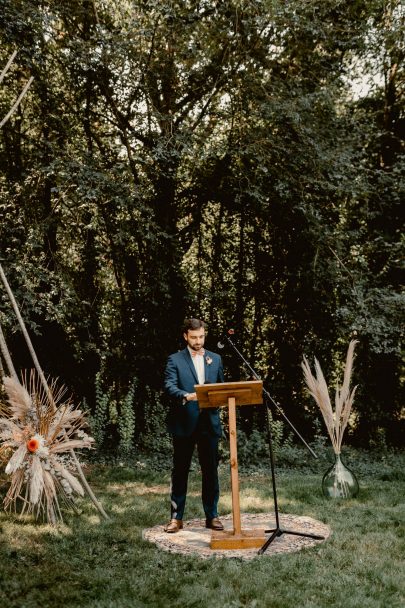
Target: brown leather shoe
174, 525
214, 524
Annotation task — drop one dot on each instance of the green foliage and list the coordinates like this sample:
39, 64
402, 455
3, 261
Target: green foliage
99, 418
126, 422
214, 160
155, 440
113, 421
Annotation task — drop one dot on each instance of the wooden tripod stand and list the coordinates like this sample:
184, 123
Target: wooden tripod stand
231, 394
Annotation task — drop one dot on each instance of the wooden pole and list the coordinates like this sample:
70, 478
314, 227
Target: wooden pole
6, 355
233, 451
17, 103
8, 64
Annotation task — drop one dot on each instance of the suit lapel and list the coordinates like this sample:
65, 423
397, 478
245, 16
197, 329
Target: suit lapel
190, 363
206, 367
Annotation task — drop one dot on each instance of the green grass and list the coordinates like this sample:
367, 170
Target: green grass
97, 564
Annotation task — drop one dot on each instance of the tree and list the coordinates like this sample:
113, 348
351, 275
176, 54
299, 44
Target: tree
205, 158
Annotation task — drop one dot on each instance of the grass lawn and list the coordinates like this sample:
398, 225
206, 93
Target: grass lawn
86, 562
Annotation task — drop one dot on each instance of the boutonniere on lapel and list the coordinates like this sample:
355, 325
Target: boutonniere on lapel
208, 360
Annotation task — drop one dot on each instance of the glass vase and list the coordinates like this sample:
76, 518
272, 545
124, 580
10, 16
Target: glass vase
339, 481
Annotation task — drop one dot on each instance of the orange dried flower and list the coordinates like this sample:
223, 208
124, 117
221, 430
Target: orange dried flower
33, 444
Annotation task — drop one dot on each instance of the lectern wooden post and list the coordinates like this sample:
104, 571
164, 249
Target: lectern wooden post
232, 394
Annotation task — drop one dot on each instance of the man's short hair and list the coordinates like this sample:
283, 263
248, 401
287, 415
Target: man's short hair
190, 324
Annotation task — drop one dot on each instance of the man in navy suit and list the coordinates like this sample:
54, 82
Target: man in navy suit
190, 427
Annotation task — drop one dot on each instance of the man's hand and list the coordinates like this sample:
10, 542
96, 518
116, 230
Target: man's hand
191, 397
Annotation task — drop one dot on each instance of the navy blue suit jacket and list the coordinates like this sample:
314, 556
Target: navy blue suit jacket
180, 378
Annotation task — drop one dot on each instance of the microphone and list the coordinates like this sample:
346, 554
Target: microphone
230, 332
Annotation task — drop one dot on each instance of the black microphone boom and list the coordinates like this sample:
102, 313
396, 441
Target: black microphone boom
266, 393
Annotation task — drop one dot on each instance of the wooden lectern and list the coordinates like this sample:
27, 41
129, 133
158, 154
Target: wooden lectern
232, 394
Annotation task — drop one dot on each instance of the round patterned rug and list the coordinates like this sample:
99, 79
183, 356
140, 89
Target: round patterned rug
194, 539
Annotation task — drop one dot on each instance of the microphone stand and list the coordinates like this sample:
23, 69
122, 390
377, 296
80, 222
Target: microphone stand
277, 531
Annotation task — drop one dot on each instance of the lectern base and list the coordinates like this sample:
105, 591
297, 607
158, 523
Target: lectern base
246, 539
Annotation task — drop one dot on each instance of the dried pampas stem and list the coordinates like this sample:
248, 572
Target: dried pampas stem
335, 421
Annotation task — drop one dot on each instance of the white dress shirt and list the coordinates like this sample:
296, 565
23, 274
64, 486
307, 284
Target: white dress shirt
198, 362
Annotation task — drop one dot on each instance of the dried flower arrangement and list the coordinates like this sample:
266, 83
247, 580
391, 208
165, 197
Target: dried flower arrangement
336, 421
40, 429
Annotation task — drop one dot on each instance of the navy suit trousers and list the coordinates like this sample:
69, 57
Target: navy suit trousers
183, 448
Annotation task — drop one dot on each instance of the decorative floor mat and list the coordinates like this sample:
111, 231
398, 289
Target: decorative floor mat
194, 539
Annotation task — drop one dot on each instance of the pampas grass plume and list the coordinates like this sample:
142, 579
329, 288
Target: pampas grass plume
335, 420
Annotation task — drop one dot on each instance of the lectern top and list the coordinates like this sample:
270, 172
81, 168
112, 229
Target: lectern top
248, 392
